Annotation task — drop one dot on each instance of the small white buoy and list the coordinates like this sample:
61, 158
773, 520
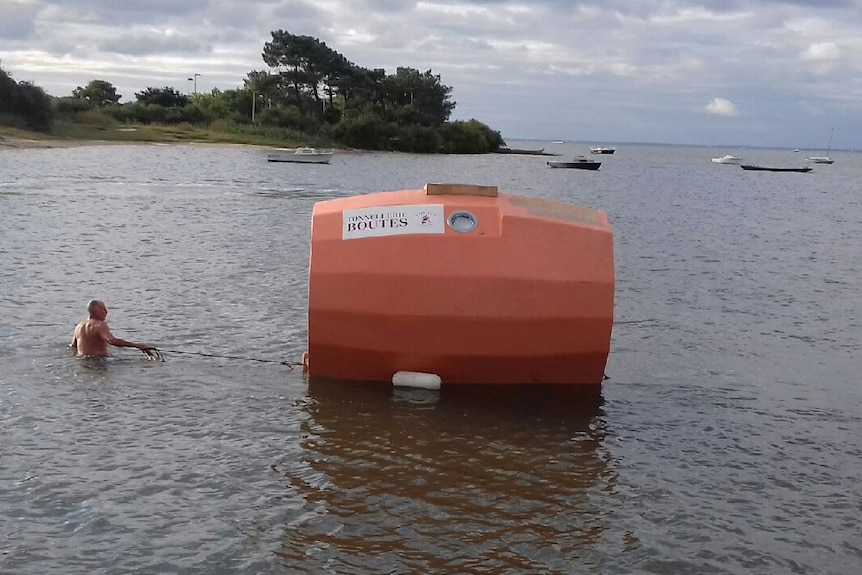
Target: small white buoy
416, 379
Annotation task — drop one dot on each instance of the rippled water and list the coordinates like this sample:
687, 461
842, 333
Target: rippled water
726, 440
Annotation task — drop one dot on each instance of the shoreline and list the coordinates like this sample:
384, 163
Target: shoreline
20, 143
33, 144
75, 136
27, 143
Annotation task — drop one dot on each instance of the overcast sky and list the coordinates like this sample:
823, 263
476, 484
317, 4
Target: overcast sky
730, 72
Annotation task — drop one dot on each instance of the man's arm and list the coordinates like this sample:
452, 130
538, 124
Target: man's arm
109, 337
74, 343
148, 350
123, 343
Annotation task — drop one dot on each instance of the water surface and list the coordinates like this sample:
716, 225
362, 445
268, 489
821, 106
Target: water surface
725, 440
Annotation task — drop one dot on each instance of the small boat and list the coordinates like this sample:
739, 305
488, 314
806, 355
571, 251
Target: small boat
459, 284
823, 159
577, 162
525, 151
602, 150
301, 155
727, 159
772, 169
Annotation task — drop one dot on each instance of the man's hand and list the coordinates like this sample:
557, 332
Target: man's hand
152, 353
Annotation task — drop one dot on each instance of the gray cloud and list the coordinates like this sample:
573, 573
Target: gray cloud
605, 70
17, 21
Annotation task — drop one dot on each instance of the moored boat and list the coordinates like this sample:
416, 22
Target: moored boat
459, 281
602, 150
522, 151
824, 159
727, 159
775, 169
301, 155
579, 162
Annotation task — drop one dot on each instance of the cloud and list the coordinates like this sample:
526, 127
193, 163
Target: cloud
612, 70
17, 21
820, 52
722, 107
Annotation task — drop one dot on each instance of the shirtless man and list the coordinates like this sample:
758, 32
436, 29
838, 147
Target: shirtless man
92, 336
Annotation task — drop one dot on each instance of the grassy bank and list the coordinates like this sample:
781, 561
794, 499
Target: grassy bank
68, 133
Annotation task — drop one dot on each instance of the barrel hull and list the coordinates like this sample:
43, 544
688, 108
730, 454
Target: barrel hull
400, 281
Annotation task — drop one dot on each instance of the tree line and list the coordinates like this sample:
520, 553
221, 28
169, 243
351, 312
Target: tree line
308, 90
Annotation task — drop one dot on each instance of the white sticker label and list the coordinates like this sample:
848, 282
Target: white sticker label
392, 221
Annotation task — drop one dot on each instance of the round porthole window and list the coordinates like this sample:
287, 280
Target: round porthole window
462, 222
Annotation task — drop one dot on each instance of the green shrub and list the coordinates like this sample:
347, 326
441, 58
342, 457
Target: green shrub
94, 119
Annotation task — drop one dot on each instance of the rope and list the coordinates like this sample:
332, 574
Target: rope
290, 364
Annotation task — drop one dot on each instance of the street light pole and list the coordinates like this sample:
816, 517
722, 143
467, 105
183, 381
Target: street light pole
254, 96
196, 82
188, 86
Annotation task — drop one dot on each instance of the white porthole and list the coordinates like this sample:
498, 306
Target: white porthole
462, 222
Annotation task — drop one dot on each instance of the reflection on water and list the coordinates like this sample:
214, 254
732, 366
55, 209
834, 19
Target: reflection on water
404, 480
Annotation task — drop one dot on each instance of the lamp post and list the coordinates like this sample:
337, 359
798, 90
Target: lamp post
196, 82
254, 97
188, 86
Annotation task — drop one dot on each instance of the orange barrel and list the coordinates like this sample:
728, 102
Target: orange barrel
462, 282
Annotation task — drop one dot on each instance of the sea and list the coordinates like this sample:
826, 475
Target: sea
726, 439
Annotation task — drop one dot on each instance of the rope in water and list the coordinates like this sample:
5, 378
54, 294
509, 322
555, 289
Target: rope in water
159, 354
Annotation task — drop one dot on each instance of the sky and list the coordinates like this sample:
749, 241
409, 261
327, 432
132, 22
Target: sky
764, 73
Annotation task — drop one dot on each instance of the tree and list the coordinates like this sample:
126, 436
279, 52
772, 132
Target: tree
262, 83
166, 97
98, 93
363, 90
24, 104
306, 66
421, 91
261, 87
8, 93
471, 137
228, 104
335, 70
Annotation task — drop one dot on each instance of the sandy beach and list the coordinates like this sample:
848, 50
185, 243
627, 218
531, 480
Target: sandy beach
28, 143
13, 142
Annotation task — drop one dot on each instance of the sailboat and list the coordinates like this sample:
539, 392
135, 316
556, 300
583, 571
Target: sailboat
824, 159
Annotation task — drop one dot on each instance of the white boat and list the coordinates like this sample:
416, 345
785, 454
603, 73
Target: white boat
823, 159
301, 155
820, 159
727, 159
602, 150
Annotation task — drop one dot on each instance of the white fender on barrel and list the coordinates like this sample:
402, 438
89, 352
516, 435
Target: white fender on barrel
416, 379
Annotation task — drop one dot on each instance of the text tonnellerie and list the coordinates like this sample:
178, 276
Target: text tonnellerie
366, 222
